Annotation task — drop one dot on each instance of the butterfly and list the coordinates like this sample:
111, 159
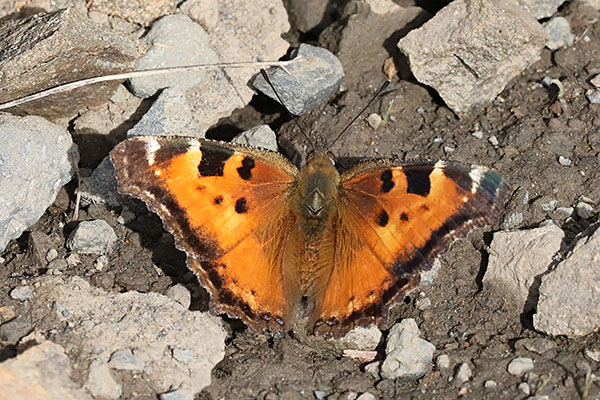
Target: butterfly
264, 236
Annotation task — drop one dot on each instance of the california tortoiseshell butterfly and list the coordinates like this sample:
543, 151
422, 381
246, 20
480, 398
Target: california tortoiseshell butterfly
262, 234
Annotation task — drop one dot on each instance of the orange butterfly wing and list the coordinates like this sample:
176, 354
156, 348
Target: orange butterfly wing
392, 222
222, 204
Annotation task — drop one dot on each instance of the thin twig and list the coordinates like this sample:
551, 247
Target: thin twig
137, 74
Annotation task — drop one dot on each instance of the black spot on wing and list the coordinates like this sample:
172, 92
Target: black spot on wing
404, 217
241, 206
387, 182
459, 174
383, 218
245, 171
166, 152
417, 179
218, 200
213, 159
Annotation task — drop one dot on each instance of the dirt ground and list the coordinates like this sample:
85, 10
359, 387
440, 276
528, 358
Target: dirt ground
533, 128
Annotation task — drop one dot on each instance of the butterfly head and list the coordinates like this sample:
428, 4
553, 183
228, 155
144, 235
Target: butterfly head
318, 186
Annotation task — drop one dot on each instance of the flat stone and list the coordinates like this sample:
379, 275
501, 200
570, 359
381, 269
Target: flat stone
520, 365
408, 357
147, 323
103, 185
177, 394
142, 12
536, 345
38, 246
469, 54
360, 338
443, 361
260, 136
559, 33
21, 293
585, 210
125, 360
174, 40
204, 12
517, 258
100, 382
576, 314
308, 82
366, 396
45, 50
180, 294
38, 158
463, 373
95, 236
40, 372
15, 329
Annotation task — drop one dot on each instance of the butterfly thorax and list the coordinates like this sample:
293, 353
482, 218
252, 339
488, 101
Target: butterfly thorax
318, 193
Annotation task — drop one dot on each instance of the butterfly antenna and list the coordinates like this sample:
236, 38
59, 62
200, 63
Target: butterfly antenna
292, 116
376, 95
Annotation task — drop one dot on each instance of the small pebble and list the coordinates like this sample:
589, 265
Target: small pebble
423, 303
366, 396
2, 260
463, 373
180, 294
73, 259
59, 264
520, 365
421, 110
490, 384
51, 255
126, 217
21, 293
374, 121
564, 161
185, 356
493, 140
373, 369
524, 387
443, 361
319, 395
592, 354
478, 134
101, 262
593, 96
584, 210
448, 149
177, 394
596, 81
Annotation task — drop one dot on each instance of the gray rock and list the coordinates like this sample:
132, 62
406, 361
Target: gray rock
148, 323
585, 210
516, 258
40, 372
37, 158
524, 388
15, 329
360, 338
541, 8
559, 33
536, 345
100, 382
58, 264
564, 161
44, 50
373, 369
103, 184
260, 136
319, 394
374, 120
170, 115
180, 294
95, 236
463, 373
408, 357
576, 314
592, 354
21, 293
490, 384
125, 360
520, 365
177, 394
443, 361
38, 245
309, 82
174, 40
51, 255
473, 52
366, 396
593, 96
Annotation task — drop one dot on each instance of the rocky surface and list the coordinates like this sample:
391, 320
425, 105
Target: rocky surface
37, 159
44, 50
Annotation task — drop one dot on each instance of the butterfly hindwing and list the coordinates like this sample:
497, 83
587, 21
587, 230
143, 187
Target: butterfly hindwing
393, 221
221, 202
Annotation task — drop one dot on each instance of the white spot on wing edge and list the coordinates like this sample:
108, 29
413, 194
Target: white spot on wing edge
476, 175
151, 146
